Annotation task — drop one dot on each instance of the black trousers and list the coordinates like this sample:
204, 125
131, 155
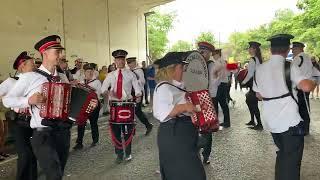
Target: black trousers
289, 155
141, 116
303, 110
228, 95
146, 93
27, 162
127, 131
252, 103
93, 118
51, 147
221, 99
178, 152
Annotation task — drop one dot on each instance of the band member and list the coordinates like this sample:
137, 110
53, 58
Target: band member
177, 136
222, 92
50, 144
95, 84
132, 63
281, 114
27, 162
251, 99
119, 83
303, 61
63, 68
206, 50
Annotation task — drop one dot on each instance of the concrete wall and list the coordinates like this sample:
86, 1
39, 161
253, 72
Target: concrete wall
90, 29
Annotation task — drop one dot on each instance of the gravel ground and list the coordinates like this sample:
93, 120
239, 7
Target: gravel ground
239, 153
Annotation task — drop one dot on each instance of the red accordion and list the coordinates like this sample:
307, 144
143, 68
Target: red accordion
65, 102
122, 112
205, 119
242, 75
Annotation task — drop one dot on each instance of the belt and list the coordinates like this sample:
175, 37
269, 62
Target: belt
182, 118
278, 97
40, 129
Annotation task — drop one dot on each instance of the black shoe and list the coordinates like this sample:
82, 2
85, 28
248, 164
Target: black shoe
221, 124
250, 123
257, 127
119, 160
4, 155
2, 158
149, 129
78, 147
226, 126
93, 144
206, 161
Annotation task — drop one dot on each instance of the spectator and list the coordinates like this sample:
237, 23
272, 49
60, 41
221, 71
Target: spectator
316, 76
78, 66
144, 68
151, 81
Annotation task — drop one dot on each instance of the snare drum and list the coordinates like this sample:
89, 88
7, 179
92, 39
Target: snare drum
122, 112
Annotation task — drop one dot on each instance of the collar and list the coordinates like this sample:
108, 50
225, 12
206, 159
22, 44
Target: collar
300, 54
178, 84
47, 71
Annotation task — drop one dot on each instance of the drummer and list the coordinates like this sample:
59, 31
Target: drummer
118, 85
177, 137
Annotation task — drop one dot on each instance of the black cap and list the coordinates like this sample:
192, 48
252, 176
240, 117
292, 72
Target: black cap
254, 44
131, 59
120, 53
206, 45
20, 59
298, 44
88, 66
171, 58
50, 42
280, 40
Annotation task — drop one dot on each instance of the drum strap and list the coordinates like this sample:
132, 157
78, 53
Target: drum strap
301, 62
165, 82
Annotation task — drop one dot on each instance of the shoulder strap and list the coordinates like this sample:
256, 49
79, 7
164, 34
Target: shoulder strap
48, 76
287, 72
301, 62
137, 76
165, 82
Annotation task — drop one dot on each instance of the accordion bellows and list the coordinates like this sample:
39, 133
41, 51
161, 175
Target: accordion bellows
66, 102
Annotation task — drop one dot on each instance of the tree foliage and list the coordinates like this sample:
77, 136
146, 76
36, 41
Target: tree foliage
206, 36
304, 26
158, 27
182, 46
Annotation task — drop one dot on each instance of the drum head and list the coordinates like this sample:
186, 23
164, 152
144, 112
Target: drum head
195, 76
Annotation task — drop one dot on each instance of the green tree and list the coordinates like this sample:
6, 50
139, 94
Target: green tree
181, 46
158, 27
206, 36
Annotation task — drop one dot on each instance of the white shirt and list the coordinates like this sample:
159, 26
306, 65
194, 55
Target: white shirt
252, 66
129, 81
279, 114
165, 98
27, 85
139, 72
306, 66
224, 74
79, 75
214, 79
96, 85
6, 86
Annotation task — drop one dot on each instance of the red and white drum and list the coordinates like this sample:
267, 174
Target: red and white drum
122, 112
196, 81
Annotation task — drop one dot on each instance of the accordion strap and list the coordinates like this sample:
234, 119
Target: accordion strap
165, 82
48, 76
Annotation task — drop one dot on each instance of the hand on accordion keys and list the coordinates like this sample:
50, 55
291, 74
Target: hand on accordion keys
36, 99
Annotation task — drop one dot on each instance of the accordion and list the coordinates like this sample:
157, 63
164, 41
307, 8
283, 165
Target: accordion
67, 102
205, 119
